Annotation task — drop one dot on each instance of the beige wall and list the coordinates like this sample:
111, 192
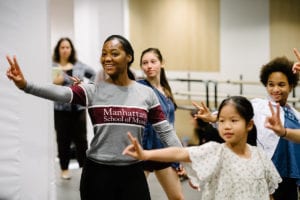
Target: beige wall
186, 32
184, 125
284, 27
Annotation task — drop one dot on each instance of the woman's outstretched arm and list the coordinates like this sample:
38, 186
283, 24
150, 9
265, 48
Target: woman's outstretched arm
51, 91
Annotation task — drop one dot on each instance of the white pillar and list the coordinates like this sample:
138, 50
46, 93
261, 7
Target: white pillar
26, 125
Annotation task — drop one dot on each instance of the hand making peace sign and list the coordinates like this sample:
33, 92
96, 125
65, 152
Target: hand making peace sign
273, 122
15, 73
296, 66
204, 113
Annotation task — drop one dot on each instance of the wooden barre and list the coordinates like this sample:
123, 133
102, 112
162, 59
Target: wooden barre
215, 81
224, 95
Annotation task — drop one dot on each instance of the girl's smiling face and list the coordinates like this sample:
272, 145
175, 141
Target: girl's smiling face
278, 87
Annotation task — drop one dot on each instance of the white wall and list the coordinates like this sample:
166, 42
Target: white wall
61, 20
26, 144
245, 39
94, 21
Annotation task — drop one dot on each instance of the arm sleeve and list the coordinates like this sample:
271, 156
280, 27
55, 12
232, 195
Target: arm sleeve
205, 162
90, 73
272, 176
167, 134
51, 92
161, 126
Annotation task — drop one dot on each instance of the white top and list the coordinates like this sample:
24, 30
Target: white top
223, 175
266, 138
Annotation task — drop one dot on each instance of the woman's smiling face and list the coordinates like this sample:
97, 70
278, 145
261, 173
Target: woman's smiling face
114, 59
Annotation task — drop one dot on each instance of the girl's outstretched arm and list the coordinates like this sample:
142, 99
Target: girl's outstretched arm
169, 154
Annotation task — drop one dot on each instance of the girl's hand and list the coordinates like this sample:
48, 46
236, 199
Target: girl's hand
14, 73
76, 80
181, 171
296, 66
193, 186
273, 122
134, 150
204, 113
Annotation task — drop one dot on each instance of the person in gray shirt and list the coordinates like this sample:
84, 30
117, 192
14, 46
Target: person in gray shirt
116, 105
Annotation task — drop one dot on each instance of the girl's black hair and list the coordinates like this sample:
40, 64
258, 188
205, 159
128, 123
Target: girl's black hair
242, 105
127, 48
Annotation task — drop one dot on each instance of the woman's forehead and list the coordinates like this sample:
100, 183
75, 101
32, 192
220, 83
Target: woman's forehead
113, 44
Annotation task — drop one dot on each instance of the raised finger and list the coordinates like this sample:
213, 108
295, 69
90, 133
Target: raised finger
74, 79
204, 107
196, 105
9, 60
132, 139
297, 53
16, 63
271, 108
278, 111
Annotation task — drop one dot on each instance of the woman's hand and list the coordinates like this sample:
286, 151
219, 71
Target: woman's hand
14, 73
296, 66
58, 79
204, 113
134, 150
273, 122
181, 171
76, 80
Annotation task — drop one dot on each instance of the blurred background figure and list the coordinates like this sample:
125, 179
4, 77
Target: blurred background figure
69, 120
204, 131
